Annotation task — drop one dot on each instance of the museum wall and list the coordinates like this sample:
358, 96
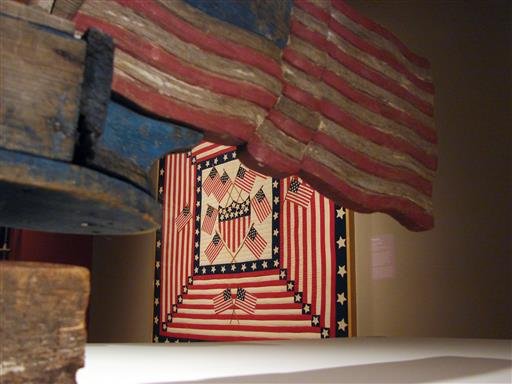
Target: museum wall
454, 280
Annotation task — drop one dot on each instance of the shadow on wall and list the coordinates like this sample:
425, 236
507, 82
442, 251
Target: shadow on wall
413, 371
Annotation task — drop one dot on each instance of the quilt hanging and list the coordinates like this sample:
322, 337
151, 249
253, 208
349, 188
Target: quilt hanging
242, 256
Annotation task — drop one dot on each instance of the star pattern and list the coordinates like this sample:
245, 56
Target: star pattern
341, 242
342, 325
342, 270
341, 298
340, 213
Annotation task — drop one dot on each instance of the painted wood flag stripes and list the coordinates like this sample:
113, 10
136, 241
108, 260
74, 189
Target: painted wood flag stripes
339, 100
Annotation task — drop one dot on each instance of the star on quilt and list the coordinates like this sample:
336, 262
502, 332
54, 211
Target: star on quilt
203, 270
253, 266
276, 215
341, 298
213, 269
157, 283
325, 333
342, 271
276, 263
157, 264
158, 244
243, 267
156, 319
276, 250
276, 232
264, 265
341, 242
340, 213
223, 269
162, 171
233, 267
306, 308
157, 301
315, 321
275, 184
342, 325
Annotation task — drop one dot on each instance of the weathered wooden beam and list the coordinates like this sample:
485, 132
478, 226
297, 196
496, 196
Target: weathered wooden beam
131, 143
48, 195
41, 69
42, 327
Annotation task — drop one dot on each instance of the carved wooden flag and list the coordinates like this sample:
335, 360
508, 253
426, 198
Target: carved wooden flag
312, 87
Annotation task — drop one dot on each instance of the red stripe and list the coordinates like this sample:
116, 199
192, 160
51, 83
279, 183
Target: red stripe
371, 133
373, 26
346, 120
271, 283
290, 126
185, 31
280, 165
258, 306
405, 211
237, 275
374, 167
296, 242
151, 100
193, 336
168, 63
378, 107
380, 54
299, 61
241, 317
198, 153
316, 39
380, 79
360, 68
247, 328
313, 10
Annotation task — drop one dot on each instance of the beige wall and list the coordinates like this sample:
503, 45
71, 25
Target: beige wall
121, 306
452, 281
456, 279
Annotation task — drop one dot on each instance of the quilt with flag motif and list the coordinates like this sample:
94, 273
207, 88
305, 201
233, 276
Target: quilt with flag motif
243, 256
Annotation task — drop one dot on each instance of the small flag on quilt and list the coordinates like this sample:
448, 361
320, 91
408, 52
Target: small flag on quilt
222, 301
183, 218
223, 186
299, 193
209, 219
245, 179
245, 301
261, 205
255, 242
213, 249
211, 181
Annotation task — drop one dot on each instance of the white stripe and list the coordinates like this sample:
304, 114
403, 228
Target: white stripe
237, 280
318, 258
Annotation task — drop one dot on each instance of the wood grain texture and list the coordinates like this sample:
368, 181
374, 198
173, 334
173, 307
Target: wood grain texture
131, 143
35, 15
43, 334
354, 108
66, 8
54, 196
41, 71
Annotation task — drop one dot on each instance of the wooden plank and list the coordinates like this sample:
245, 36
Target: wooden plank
41, 71
131, 143
43, 322
54, 196
66, 8
36, 16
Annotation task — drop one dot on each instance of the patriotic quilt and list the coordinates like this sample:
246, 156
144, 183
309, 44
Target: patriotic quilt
243, 256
